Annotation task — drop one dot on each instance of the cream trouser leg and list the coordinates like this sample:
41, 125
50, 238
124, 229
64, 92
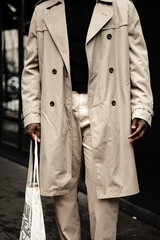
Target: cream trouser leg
103, 213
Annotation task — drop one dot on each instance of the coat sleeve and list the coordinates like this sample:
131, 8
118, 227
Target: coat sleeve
30, 83
141, 94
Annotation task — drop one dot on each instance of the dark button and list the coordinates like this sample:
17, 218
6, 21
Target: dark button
111, 70
113, 103
109, 36
54, 71
51, 103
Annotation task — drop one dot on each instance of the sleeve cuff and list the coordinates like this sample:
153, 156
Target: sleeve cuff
32, 118
143, 114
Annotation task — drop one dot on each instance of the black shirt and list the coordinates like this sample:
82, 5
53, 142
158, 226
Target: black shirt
78, 16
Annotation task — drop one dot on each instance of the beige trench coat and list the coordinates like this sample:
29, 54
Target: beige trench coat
118, 90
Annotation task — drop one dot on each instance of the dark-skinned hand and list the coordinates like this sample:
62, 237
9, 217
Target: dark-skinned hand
139, 127
33, 129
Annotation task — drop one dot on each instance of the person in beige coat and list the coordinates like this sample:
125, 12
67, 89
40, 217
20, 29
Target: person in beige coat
86, 95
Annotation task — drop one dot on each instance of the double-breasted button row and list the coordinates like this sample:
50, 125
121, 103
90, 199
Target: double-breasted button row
52, 103
109, 36
54, 71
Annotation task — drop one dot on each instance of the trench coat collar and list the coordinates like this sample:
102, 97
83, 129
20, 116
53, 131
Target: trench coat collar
102, 13
55, 20
56, 1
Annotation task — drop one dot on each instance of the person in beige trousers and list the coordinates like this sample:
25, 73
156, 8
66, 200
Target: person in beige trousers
86, 95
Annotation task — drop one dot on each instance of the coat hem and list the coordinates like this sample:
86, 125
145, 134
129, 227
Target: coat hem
101, 196
121, 194
53, 193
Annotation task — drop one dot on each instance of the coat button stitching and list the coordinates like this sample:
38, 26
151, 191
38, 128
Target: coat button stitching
109, 36
54, 71
52, 104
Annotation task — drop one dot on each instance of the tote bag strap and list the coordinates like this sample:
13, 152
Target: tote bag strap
33, 172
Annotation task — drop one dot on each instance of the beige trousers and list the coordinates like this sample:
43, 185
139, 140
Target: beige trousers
103, 213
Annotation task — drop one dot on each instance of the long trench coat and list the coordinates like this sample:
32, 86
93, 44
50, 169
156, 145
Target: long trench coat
118, 91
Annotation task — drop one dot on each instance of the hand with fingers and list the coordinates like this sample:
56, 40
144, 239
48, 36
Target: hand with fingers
139, 128
33, 129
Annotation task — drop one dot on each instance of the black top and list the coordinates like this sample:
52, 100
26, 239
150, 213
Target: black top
78, 16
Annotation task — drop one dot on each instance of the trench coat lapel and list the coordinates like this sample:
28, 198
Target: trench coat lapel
55, 20
101, 15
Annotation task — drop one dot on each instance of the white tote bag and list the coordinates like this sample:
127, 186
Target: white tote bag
33, 227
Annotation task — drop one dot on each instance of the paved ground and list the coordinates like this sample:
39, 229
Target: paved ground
13, 179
